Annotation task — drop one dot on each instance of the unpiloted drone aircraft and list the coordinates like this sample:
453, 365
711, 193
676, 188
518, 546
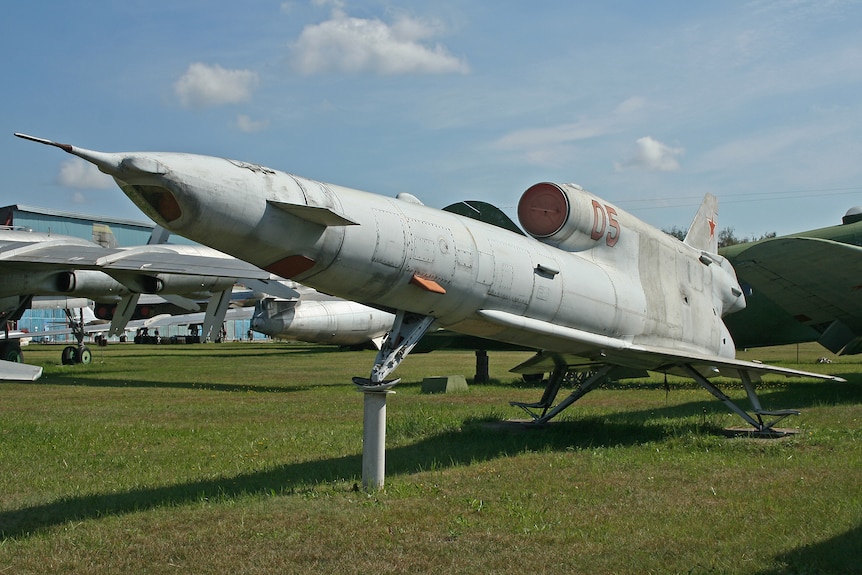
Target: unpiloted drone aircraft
600, 293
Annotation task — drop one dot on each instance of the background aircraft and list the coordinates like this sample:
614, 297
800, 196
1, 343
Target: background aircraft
50, 264
603, 294
802, 287
316, 317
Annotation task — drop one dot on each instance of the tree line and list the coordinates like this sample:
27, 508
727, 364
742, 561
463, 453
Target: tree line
726, 237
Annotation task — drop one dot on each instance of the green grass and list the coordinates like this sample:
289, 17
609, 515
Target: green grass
242, 458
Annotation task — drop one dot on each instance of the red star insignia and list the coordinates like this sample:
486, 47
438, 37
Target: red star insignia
711, 223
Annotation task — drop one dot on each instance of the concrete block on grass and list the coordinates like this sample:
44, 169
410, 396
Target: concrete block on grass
444, 384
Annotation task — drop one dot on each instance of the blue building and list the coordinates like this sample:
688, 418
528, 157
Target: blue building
93, 228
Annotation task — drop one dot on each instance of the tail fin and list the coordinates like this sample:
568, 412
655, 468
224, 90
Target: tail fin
104, 236
159, 235
702, 233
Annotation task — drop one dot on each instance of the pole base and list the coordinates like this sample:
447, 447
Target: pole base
366, 384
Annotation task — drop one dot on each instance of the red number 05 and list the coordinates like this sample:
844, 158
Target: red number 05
605, 217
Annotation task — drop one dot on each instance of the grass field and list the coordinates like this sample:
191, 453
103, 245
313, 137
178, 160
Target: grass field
243, 458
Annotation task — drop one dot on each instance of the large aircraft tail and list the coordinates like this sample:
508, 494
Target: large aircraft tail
702, 233
104, 236
159, 235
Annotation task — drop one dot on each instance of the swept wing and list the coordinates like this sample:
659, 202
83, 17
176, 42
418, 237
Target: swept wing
150, 259
813, 281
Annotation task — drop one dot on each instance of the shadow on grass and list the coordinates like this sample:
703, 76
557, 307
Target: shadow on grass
234, 350
841, 554
473, 443
782, 395
204, 350
814, 394
77, 380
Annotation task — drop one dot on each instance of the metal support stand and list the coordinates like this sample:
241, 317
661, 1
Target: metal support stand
584, 383
374, 439
482, 374
761, 428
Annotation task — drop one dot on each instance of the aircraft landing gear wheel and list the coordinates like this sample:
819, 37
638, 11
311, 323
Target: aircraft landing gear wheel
70, 355
84, 355
12, 353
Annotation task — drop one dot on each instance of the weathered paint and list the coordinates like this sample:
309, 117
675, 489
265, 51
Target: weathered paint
617, 276
337, 322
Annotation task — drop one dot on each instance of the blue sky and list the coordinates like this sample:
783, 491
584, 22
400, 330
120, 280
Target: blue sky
649, 105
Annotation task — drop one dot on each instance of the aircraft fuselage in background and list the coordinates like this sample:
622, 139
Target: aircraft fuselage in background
330, 321
802, 287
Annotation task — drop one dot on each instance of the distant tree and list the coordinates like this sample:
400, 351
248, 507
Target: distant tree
676, 232
726, 237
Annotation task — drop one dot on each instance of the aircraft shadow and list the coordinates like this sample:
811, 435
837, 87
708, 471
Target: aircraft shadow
211, 350
476, 441
473, 443
790, 395
840, 554
74, 380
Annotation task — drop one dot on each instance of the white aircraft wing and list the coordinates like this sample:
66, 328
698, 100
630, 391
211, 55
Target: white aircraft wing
584, 350
148, 258
165, 320
12, 371
89, 329
16, 334
272, 287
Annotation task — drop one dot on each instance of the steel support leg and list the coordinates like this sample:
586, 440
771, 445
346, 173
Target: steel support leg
585, 387
705, 383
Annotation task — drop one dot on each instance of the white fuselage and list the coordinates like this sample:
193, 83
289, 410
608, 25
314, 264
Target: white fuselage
632, 283
332, 321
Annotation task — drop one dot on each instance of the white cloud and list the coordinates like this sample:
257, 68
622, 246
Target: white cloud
652, 155
353, 45
77, 173
246, 124
204, 85
288, 7
555, 146
791, 144
547, 137
631, 105
549, 147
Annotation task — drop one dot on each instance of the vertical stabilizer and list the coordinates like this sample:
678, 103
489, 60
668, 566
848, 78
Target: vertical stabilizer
703, 233
104, 236
159, 235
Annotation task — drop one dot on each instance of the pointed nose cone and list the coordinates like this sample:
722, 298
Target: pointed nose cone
215, 201
106, 162
140, 169
113, 164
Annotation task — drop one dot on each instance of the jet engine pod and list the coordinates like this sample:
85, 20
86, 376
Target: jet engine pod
191, 286
88, 283
566, 216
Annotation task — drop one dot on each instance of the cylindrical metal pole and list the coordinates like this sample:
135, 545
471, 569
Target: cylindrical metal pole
374, 440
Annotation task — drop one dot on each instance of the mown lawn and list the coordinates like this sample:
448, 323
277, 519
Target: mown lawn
244, 458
